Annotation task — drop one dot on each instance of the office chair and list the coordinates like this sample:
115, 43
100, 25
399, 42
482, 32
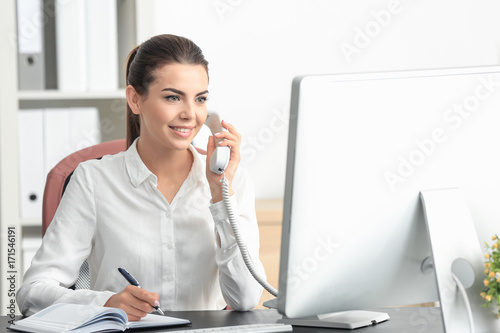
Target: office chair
57, 180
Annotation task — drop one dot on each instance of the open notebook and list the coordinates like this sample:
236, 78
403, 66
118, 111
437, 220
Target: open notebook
88, 318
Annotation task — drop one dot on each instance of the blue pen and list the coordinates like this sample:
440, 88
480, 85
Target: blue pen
134, 282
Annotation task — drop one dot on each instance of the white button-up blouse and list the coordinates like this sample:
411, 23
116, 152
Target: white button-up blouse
113, 215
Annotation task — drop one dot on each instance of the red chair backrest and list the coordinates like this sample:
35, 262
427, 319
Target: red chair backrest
57, 177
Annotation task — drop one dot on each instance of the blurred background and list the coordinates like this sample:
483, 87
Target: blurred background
256, 48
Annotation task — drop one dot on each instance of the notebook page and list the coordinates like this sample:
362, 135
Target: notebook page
151, 320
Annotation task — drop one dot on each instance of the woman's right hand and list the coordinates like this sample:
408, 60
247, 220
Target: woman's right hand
136, 302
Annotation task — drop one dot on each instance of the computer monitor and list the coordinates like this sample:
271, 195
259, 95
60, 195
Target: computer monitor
361, 149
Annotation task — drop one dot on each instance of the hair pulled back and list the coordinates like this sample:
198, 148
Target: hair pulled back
145, 59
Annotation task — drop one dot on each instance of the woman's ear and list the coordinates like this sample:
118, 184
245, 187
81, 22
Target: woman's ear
133, 99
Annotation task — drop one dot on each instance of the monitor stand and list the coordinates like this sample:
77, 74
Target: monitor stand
458, 262
345, 320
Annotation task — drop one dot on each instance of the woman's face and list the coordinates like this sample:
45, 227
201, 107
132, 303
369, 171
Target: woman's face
175, 108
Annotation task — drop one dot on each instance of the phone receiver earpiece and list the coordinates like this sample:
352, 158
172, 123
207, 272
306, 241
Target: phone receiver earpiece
221, 155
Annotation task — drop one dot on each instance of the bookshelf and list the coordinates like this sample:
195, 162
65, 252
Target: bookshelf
9, 206
56, 95
134, 25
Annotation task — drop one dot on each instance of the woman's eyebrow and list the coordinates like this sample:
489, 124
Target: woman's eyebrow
202, 93
182, 93
175, 91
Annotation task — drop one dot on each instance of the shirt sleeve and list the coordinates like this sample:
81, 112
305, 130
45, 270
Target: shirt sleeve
239, 289
66, 245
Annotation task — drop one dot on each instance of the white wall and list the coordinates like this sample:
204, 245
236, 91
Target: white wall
255, 48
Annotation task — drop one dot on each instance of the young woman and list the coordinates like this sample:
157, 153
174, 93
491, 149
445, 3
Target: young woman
155, 209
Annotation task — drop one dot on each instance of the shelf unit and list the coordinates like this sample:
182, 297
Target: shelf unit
112, 112
48, 95
9, 193
134, 26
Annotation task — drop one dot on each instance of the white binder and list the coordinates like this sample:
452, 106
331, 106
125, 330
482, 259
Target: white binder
32, 174
71, 39
56, 133
67, 130
31, 64
102, 45
84, 127
46, 136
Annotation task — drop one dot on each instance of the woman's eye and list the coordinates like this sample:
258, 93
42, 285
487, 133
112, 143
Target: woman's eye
201, 99
172, 98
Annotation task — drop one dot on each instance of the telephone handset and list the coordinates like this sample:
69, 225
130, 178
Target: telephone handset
221, 155
218, 163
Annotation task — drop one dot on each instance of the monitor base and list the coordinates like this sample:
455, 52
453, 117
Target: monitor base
271, 304
346, 320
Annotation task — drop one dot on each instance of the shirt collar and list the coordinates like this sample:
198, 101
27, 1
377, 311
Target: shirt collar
138, 172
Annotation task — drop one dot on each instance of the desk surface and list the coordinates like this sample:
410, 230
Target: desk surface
408, 320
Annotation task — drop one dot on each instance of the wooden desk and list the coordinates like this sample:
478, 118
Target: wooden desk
270, 217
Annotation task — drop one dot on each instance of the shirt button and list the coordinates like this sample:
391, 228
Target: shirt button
170, 246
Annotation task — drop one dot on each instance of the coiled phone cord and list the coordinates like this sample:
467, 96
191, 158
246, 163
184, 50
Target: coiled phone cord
239, 240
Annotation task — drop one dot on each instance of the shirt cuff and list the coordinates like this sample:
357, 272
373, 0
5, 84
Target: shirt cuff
222, 225
102, 297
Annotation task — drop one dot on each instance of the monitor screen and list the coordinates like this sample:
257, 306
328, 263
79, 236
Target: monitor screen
361, 148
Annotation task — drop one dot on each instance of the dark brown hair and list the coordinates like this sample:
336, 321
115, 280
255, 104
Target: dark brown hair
145, 59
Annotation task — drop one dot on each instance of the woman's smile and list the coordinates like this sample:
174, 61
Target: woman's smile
182, 131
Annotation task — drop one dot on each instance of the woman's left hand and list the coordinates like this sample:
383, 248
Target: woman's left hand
232, 140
